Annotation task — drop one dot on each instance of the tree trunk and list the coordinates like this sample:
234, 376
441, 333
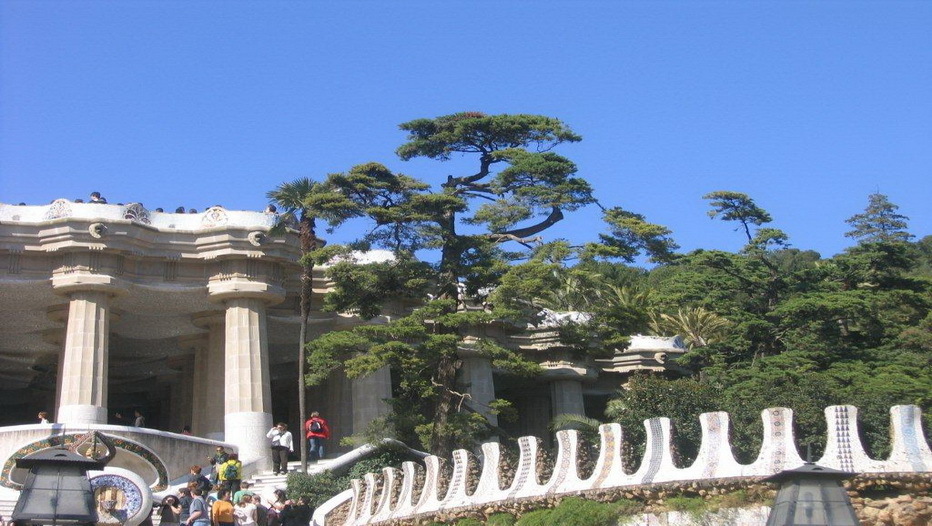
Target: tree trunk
308, 243
441, 443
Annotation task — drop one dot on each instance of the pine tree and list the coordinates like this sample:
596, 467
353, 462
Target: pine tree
880, 222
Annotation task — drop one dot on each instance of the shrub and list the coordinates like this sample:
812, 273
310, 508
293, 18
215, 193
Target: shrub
500, 519
321, 487
318, 488
469, 521
573, 512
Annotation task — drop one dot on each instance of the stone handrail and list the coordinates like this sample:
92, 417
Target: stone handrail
390, 496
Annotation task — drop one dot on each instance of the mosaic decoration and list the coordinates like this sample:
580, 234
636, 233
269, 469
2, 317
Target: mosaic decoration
843, 437
525, 465
214, 216
714, 437
911, 454
118, 498
566, 459
58, 208
136, 212
909, 416
778, 427
609, 455
655, 435
68, 440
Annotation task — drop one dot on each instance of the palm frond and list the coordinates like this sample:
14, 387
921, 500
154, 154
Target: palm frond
290, 196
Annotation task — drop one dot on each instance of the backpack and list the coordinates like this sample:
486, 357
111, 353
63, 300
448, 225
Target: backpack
230, 471
316, 427
262, 515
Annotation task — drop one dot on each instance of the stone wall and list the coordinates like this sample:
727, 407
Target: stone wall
389, 497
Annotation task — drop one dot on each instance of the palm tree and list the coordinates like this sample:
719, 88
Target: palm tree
291, 198
302, 203
698, 327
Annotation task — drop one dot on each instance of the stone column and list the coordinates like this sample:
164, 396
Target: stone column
182, 386
476, 374
247, 390
209, 388
85, 358
566, 397
58, 314
369, 394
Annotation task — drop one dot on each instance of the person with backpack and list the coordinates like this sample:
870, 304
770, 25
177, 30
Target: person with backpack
216, 460
316, 430
230, 473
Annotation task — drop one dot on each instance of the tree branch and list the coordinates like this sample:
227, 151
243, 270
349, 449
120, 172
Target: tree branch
555, 216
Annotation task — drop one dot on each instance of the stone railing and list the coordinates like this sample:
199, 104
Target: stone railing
402, 495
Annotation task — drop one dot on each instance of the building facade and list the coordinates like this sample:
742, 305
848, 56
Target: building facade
191, 319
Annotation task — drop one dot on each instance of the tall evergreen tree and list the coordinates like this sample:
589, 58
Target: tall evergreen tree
517, 179
879, 223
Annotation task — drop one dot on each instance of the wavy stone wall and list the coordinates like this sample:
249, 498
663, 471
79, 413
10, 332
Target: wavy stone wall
377, 499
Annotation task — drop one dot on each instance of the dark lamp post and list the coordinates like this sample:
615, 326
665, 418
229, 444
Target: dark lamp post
811, 495
57, 490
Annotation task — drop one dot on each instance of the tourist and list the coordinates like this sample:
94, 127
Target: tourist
186, 430
195, 477
118, 419
219, 457
230, 473
276, 507
96, 198
221, 512
43, 417
140, 420
241, 492
199, 514
317, 431
170, 511
184, 502
245, 512
282, 444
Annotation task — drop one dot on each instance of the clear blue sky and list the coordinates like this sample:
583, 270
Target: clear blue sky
806, 106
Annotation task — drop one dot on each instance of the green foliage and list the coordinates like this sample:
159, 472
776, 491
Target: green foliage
532, 183
317, 488
573, 512
879, 223
629, 235
321, 487
735, 206
500, 519
469, 521
681, 400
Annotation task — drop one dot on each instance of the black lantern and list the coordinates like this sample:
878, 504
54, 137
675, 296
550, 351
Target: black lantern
57, 490
811, 495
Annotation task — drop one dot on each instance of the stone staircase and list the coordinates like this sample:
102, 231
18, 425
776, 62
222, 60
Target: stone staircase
6, 506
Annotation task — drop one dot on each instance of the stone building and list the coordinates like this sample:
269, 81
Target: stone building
192, 319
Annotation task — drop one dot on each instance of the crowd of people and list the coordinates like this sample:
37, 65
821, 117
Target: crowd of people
200, 502
221, 498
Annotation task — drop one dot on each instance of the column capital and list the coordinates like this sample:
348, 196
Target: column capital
67, 284
556, 370
238, 288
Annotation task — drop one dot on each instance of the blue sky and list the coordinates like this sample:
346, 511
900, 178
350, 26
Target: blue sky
806, 106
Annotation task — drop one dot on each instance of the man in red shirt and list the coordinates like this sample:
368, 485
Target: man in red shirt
316, 430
